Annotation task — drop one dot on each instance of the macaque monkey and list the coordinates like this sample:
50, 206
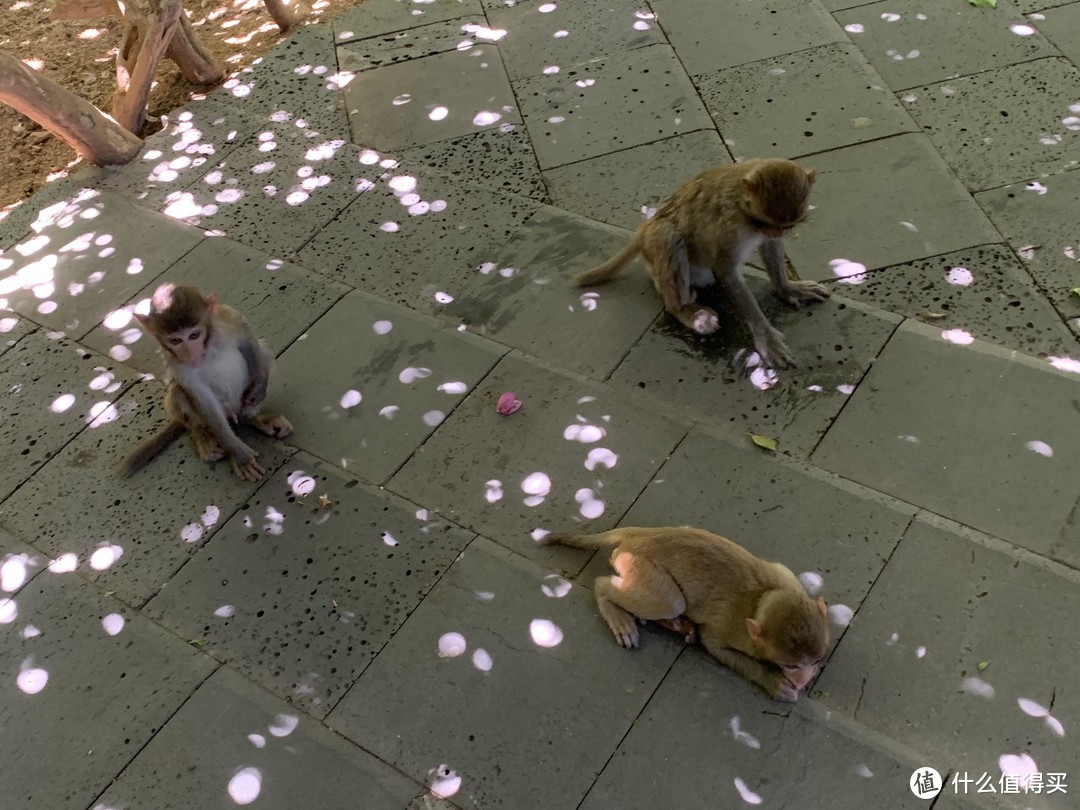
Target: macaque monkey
707, 229
752, 615
216, 373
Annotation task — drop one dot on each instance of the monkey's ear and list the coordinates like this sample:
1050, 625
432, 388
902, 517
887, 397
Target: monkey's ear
749, 186
754, 630
811, 176
822, 607
211, 303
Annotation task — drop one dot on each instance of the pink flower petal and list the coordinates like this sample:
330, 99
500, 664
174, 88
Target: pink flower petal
507, 404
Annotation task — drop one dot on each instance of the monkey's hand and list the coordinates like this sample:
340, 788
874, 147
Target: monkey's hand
773, 349
245, 466
795, 293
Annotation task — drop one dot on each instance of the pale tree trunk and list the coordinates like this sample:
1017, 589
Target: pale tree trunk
149, 30
286, 13
79, 123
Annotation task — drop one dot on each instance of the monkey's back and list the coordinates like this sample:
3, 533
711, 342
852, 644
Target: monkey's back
705, 210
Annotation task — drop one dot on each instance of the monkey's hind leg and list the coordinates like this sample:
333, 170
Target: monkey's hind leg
664, 250
178, 405
640, 589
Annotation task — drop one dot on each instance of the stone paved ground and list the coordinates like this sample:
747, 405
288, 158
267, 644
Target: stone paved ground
397, 203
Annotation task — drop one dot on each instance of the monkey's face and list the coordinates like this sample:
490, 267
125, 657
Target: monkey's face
188, 345
778, 198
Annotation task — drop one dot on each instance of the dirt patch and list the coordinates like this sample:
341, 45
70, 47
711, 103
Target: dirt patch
81, 55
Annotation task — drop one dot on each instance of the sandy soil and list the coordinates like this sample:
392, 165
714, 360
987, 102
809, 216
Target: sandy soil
80, 55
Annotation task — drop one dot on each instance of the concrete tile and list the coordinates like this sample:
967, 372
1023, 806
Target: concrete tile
129, 536
747, 31
83, 257
834, 343
1040, 213
32, 213
19, 563
52, 390
256, 284
378, 17
1003, 125
13, 328
365, 51
354, 569
539, 37
800, 103
943, 607
554, 454
903, 200
291, 761
432, 99
195, 138
612, 103
495, 159
524, 298
84, 693
415, 235
618, 188
968, 441
277, 190
839, 5
730, 744
1062, 27
911, 43
985, 291
369, 382
520, 645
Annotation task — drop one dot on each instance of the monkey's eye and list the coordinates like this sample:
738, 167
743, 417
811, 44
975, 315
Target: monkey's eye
175, 341
195, 335
790, 667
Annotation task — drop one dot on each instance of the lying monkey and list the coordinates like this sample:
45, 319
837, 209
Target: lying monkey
216, 372
751, 614
707, 229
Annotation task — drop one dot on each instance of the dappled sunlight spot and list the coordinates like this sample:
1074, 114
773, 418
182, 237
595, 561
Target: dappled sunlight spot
8, 324
895, 637
62, 403
1065, 364
745, 737
812, 581
389, 411
389, 539
438, 113
847, 389
957, 336
746, 793
601, 457
1020, 767
9, 610
245, 786
841, 615
481, 659
382, 327
482, 32
117, 319
1042, 448
589, 301
587, 83
192, 533
907, 437
641, 25
258, 740
536, 484
589, 505
486, 118
274, 521
855, 28
978, 687
920, 652
546, 8
584, 433
182, 205
106, 381
47, 308
484, 596
300, 483
30, 632
445, 782
31, 680
1037, 187
847, 271
862, 770
545, 633
1055, 725
433, 418
555, 586
443, 297
960, 276
64, 564
105, 556
453, 387
551, 70
225, 612
120, 353
438, 205
1022, 30
890, 16
493, 491
1031, 708
763, 378
556, 119
451, 645
14, 572
411, 374
539, 534
113, 624
351, 398
284, 725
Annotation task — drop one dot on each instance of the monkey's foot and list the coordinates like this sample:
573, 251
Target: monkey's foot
705, 321
207, 447
277, 426
681, 625
774, 350
796, 292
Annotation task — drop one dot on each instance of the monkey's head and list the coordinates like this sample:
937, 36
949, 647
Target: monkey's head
792, 631
180, 319
776, 194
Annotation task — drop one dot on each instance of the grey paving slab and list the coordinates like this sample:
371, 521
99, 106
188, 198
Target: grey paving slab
732, 747
502, 653
525, 298
499, 159
834, 344
576, 452
52, 390
963, 429
416, 238
378, 17
13, 327
368, 51
1041, 213
612, 103
935, 626
131, 535
37, 209
985, 291
194, 139
620, 187
19, 563
912, 43
278, 189
84, 683
1003, 125
801, 103
546, 38
370, 382
907, 204
431, 99
354, 570
232, 743
278, 299
747, 31
97, 248
1062, 27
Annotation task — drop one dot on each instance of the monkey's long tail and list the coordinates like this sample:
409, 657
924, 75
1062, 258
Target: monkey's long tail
590, 541
609, 269
145, 452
